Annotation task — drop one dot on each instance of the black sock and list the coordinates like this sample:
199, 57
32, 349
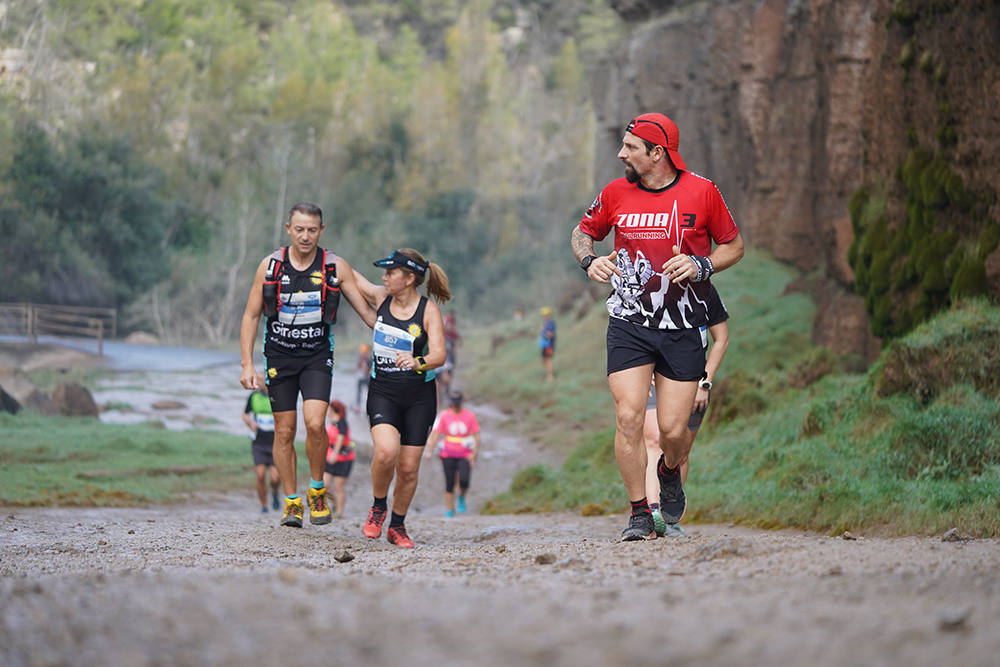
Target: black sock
654, 506
662, 469
396, 520
380, 503
640, 506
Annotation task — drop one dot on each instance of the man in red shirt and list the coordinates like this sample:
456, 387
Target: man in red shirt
665, 219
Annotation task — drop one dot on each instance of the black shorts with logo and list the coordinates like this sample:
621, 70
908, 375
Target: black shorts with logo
288, 376
410, 409
678, 354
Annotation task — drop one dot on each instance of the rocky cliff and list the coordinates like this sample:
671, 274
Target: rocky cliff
790, 106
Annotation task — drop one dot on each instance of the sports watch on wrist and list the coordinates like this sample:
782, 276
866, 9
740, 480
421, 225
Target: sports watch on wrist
706, 385
586, 262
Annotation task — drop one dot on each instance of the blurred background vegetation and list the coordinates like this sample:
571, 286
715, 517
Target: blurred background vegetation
152, 149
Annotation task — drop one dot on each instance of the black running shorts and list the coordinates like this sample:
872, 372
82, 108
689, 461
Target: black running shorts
678, 354
411, 409
288, 376
263, 453
339, 468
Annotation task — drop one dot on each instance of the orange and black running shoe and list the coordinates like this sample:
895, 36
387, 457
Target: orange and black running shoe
373, 526
397, 535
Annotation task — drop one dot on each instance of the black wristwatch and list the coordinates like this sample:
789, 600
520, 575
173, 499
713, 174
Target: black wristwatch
586, 262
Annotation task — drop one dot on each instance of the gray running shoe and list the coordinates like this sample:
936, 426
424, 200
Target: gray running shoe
640, 527
672, 499
659, 525
674, 530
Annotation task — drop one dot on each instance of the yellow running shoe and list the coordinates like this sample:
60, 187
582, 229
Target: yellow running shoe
293, 513
319, 509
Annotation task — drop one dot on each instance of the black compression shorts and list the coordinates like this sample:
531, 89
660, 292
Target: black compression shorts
339, 468
288, 376
411, 410
678, 354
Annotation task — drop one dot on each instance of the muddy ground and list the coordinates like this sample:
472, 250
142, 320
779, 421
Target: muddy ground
210, 581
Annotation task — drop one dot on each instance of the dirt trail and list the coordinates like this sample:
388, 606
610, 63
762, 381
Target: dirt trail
212, 582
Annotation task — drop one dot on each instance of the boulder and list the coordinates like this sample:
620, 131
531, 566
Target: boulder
16, 383
40, 402
74, 400
8, 403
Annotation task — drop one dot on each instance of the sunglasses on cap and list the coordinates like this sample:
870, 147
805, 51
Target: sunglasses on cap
632, 124
398, 260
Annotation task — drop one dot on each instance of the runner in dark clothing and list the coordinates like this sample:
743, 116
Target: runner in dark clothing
402, 398
298, 285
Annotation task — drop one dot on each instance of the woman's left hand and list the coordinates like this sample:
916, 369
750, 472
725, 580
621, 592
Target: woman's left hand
407, 361
701, 400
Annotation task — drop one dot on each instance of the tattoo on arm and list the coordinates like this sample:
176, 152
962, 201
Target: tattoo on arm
582, 244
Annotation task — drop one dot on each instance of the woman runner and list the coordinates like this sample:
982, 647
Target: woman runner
402, 397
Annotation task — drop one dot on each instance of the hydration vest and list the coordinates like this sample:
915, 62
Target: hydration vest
272, 285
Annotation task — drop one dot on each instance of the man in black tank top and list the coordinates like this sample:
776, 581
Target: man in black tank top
298, 351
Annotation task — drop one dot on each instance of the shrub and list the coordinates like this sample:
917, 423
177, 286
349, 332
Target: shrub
956, 437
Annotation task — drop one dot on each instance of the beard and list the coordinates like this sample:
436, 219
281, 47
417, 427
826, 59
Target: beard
631, 175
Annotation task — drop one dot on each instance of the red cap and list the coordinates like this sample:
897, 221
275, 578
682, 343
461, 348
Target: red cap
660, 130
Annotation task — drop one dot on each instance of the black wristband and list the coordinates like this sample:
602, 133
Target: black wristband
705, 268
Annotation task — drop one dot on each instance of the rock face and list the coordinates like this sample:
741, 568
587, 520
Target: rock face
789, 106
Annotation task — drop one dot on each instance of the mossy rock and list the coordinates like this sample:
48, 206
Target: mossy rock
934, 357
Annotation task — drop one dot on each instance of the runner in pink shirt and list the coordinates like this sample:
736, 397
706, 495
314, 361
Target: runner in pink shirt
460, 429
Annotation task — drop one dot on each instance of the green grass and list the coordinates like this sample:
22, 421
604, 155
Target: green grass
80, 461
839, 451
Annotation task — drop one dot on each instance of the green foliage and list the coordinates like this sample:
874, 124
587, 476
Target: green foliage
839, 457
87, 222
926, 62
902, 12
75, 461
412, 122
588, 478
907, 55
913, 445
955, 437
911, 269
960, 346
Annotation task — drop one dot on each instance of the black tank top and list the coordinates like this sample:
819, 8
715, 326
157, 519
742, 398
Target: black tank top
392, 335
299, 330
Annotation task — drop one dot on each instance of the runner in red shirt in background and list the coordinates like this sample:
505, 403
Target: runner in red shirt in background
340, 454
665, 219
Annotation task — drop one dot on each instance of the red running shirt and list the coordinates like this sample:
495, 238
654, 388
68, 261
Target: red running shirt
689, 213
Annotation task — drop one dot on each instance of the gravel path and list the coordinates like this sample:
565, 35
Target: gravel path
212, 582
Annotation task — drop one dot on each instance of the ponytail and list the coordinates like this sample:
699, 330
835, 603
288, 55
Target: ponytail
437, 280
437, 283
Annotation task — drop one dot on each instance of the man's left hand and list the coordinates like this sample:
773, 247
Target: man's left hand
680, 267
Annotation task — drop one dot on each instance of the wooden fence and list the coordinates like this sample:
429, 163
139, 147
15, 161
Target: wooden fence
34, 320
